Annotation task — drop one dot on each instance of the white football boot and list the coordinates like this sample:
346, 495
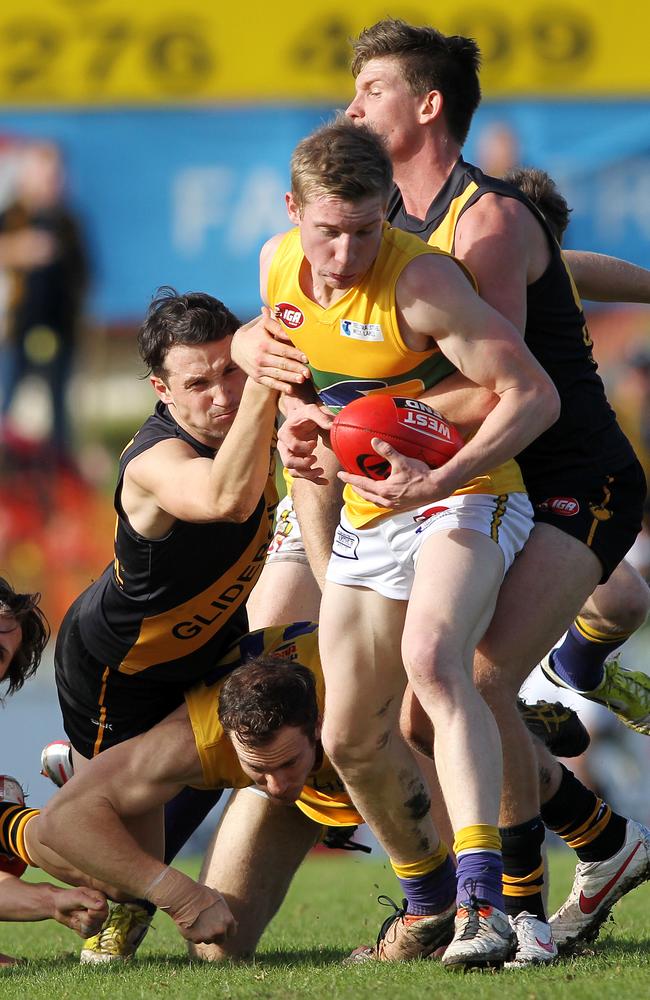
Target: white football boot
597, 886
56, 762
483, 938
535, 944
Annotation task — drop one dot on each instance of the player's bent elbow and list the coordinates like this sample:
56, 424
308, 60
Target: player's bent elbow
549, 403
238, 511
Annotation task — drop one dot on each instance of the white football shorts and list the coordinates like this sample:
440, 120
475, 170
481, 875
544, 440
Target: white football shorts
384, 555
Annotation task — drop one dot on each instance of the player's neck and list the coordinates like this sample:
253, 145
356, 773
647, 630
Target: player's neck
421, 176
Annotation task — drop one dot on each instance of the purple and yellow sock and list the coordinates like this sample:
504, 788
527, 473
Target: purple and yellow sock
428, 885
479, 870
580, 658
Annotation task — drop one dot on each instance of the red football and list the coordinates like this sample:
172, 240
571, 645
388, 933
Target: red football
411, 427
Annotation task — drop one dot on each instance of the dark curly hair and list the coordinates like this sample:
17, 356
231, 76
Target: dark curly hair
35, 634
265, 694
193, 318
542, 190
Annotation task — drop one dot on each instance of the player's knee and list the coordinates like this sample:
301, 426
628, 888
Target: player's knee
233, 952
434, 664
353, 751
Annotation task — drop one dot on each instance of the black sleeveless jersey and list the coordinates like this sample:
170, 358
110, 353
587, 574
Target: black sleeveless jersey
586, 432
171, 606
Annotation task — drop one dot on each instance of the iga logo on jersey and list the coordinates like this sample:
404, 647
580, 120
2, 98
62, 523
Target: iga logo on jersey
564, 506
290, 315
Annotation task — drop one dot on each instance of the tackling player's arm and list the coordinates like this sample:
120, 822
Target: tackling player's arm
171, 482
82, 910
602, 278
262, 347
433, 299
100, 822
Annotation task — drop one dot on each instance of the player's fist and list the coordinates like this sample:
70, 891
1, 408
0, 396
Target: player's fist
214, 923
82, 910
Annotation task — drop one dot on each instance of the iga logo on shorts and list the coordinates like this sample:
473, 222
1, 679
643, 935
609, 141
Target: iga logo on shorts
564, 506
289, 314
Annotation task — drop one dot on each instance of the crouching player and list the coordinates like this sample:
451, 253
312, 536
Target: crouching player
258, 727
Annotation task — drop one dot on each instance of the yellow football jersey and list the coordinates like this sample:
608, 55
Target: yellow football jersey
355, 346
323, 798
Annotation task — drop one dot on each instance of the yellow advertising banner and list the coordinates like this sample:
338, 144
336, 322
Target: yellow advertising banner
103, 52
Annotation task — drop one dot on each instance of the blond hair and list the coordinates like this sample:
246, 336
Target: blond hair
343, 160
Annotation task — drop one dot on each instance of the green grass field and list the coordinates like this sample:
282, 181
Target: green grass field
331, 908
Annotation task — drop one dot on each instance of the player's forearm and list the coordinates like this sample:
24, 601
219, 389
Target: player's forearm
465, 405
25, 900
608, 279
519, 417
93, 839
241, 466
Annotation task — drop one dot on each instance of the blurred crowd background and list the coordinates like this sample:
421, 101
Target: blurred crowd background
147, 145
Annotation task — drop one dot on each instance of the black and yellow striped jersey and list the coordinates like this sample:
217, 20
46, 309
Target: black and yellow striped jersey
556, 334
171, 606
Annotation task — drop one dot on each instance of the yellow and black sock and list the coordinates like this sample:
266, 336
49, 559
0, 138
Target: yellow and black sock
523, 868
13, 820
583, 820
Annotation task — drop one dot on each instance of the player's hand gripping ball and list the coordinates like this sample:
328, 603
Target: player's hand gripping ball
411, 427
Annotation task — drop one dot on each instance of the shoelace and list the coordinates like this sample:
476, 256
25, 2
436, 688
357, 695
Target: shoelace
548, 714
397, 914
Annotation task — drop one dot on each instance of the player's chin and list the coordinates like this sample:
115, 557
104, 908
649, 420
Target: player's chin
221, 423
290, 796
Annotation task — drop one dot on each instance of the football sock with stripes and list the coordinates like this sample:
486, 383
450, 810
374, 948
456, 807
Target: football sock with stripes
429, 885
580, 658
13, 820
583, 820
479, 870
523, 868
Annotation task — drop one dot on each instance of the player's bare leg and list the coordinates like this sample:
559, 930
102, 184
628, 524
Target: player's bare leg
544, 589
360, 636
410, 728
549, 580
251, 861
443, 626
285, 592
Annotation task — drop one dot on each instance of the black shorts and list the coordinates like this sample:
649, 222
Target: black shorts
602, 509
100, 706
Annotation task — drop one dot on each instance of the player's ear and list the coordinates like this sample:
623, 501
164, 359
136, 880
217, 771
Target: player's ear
161, 389
293, 208
431, 107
